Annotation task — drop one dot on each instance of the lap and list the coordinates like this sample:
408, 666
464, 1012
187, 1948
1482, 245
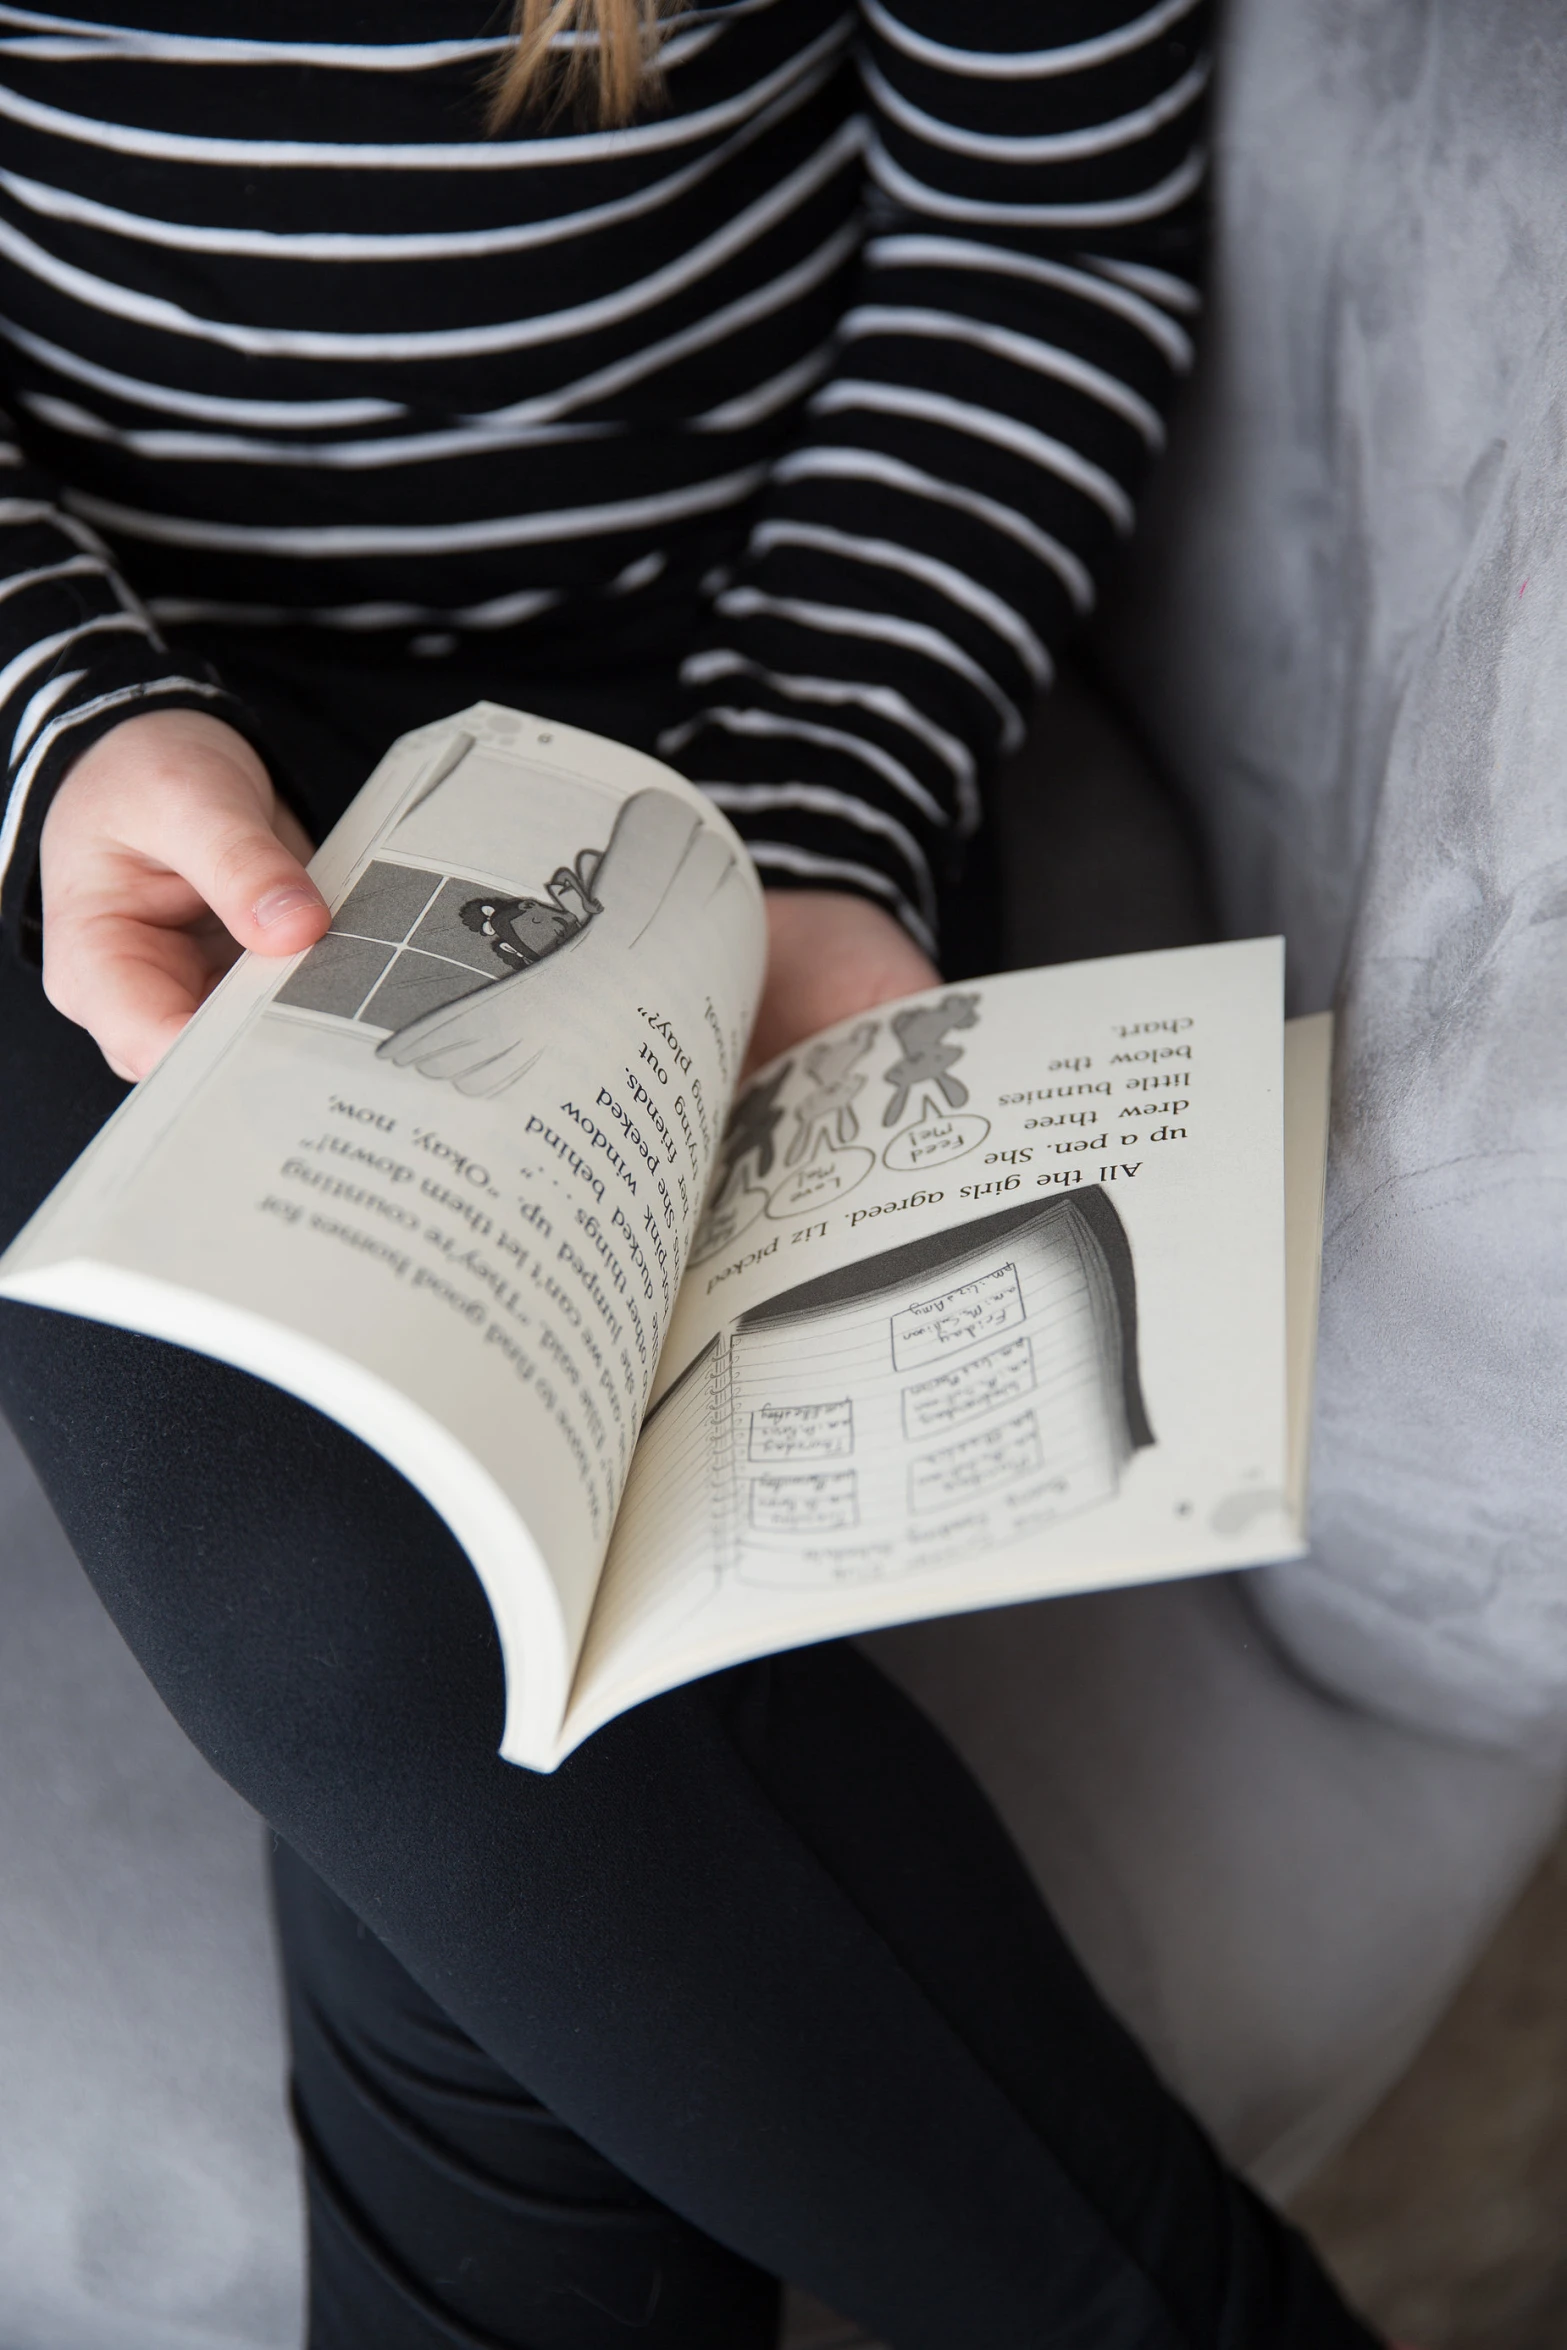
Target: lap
762, 1943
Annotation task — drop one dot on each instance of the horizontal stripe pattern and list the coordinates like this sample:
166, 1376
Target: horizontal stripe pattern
869, 329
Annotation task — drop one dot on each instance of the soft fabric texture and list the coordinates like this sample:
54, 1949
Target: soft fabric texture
148, 2189
1345, 634
1279, 1891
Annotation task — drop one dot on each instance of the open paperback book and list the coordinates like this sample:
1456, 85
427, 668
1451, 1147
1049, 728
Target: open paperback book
980, 1296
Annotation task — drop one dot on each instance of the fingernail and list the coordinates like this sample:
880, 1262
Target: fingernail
277, 905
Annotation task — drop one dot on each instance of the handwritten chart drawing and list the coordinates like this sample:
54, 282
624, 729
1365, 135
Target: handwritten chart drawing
974, 1464
975, 1385
823, 1503
936, 1326
802, 1431
942, 1398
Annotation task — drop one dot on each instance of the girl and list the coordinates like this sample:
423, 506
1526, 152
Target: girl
767, 384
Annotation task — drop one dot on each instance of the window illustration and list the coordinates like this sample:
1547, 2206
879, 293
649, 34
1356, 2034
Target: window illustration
465, 981
408, 940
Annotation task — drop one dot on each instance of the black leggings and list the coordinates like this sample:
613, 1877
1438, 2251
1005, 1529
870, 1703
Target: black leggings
753, 1987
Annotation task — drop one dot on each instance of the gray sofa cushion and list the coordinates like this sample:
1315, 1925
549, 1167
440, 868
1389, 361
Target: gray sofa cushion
148, 2197
1347, 632
1277, 1891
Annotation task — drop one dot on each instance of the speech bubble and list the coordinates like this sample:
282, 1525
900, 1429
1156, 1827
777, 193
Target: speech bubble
825, 1178
937, 1138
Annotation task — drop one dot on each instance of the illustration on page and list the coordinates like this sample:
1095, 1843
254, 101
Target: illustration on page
453, 973
826, 1113
819, 1100
746, 1155
924, 1055
928, 1404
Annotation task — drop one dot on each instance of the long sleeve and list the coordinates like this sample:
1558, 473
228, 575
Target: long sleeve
968, 462
303, 347
78, 653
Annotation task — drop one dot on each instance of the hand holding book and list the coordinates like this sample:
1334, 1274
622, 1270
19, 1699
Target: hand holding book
166, 854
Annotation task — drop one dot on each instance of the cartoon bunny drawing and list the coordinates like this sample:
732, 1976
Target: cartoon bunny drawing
925, 1058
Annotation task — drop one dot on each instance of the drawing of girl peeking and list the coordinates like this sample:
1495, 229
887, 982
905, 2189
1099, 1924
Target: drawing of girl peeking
524, 930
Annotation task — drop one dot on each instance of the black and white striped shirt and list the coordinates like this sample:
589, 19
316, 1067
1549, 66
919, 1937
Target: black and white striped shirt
871, 317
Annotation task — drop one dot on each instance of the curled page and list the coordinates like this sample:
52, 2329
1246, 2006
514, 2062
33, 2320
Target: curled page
439, 1176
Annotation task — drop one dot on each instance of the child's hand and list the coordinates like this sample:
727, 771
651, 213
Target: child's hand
829, 955
165, 853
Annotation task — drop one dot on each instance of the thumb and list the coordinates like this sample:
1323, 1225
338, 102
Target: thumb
215, 829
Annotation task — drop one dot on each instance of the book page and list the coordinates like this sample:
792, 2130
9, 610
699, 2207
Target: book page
988, 1301
439, 1176
1308, 1080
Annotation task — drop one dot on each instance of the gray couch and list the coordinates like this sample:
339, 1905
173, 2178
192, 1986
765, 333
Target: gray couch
1279, 1814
